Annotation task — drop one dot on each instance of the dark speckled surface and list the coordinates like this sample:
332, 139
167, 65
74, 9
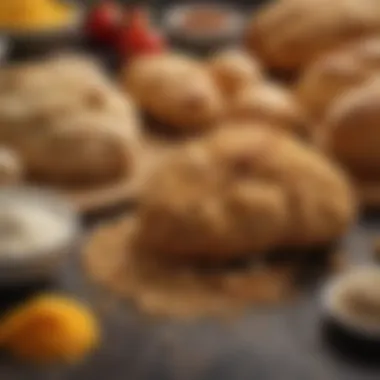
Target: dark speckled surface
274, 344
277, 344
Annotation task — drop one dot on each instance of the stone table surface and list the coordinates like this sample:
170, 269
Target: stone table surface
283, 343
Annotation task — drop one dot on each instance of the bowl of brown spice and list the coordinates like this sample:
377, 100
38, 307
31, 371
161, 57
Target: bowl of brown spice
203, 27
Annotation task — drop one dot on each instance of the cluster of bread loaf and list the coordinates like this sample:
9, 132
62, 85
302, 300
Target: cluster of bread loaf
249, 183
240, 192
246, 182
189, 95
334, 47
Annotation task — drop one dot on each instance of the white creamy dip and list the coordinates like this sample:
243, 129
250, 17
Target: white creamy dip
30, 228
354, 299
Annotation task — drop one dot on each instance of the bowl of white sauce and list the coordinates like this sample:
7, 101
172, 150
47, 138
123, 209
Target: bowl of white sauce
38, 230
352, 299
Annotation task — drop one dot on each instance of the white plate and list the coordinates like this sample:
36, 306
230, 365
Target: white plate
173, 21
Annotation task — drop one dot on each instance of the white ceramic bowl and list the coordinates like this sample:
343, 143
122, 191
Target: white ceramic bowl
332, 305
173, 24
44, 264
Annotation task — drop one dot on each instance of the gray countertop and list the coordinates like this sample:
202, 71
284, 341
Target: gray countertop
284, 343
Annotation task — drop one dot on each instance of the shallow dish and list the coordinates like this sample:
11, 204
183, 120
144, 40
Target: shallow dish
334, 301
201, 41
43, 264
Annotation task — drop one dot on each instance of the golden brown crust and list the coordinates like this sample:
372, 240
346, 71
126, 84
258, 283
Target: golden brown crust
240, 192
270, 103
351, 131
235, 69
289, 34
175, 90
79, 150
336, 73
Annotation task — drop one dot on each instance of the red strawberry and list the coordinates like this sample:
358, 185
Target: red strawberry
103, 21
136, 42
138, 37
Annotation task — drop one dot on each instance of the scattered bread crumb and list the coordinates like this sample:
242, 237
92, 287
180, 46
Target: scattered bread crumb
164, 290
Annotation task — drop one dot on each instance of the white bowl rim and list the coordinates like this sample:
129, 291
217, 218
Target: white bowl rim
173, 17
48, 198
329, 293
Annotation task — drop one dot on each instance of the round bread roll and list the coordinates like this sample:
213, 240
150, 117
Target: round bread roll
351, 131
75, 65
67, 83
289, 34
51, 72
175, 90
67, 126
335, 74
271, 103
11, 167
234, 70
241, 192
78, 149
29, 80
